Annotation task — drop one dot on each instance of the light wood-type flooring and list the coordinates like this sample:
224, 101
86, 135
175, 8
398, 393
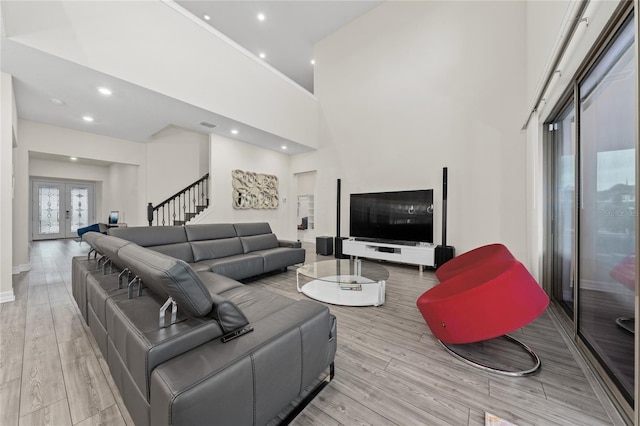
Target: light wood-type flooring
389, 368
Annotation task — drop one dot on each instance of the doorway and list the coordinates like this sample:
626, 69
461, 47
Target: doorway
306, 222
59, 208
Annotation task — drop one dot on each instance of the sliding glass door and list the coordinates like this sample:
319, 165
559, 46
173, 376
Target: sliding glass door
608, 207
592, 171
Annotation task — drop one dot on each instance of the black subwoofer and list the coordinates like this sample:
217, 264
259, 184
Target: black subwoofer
324, 246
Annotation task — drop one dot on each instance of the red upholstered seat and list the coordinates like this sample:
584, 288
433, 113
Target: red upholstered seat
625, 272
472, 259
484, 302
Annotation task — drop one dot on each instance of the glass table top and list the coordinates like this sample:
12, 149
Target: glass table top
344, 271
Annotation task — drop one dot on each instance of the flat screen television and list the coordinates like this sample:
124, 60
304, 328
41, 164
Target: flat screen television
400, 216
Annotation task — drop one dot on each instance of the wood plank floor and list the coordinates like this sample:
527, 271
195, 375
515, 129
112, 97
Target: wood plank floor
389, 368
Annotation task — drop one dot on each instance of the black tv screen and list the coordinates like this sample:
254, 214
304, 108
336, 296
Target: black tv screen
393, 216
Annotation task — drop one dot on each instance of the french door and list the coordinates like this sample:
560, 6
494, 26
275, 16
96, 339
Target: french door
60, 208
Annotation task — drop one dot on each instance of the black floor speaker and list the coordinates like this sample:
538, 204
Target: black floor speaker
338, 248
443, 255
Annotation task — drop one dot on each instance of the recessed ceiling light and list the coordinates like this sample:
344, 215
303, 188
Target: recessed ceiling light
73, 158
57, 101
262, 55
261, 17
234, 131
283, 147
207, 17
313, 62
87, 118
105, 91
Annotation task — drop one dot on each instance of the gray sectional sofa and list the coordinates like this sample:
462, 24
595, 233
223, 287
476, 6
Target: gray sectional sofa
230, 354
238, 251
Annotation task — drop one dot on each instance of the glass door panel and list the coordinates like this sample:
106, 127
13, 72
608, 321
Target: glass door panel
607, 209
47, 223
563, 231
60, 208
79, 197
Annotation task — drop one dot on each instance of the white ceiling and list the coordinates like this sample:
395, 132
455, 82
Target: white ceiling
287, 34
134, 113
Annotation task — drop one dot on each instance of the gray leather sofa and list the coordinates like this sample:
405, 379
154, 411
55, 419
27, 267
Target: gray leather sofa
233, 354
238, 251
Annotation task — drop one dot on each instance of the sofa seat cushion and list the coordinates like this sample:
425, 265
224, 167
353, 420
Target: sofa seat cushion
236, 267
256, 303
259, 242
280, 257
251, 379
142, 344
215, 249
217, 283
99, 290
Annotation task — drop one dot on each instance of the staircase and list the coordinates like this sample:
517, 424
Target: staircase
182, 206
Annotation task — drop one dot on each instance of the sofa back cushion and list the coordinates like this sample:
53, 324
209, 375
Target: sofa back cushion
109, 247
180, 251
247, 229
259, 242
210, 231
214, 249
91, 238
148, 236
167, 276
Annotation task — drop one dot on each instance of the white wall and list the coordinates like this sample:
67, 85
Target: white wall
7, 125
228, 155
174, 161
442, 85
124, 197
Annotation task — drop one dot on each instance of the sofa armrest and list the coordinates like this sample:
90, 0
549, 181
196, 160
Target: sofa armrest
289, 244
227, 313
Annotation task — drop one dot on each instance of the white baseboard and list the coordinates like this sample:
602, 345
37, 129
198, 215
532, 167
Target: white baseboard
7, 296
21, 268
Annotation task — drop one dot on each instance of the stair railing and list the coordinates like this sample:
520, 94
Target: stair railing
182, 206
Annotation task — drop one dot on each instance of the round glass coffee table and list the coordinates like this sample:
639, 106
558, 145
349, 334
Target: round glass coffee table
344, 282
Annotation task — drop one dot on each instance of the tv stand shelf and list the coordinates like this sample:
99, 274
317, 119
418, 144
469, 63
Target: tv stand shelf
413, 255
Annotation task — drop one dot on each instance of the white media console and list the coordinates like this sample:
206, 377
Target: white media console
421, 255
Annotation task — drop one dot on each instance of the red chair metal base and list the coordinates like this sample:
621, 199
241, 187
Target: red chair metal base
518, 373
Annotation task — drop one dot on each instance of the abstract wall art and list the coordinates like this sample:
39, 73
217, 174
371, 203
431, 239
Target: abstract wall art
254, 190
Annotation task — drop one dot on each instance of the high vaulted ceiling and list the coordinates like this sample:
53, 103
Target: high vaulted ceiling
283, 31
55, 91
